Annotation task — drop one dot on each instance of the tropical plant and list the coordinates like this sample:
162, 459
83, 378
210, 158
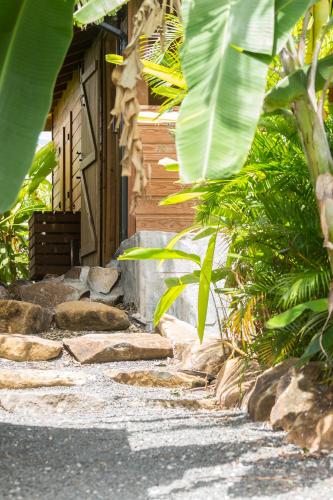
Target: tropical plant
35, 194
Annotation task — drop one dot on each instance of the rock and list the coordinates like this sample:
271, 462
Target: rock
207, 357
28, 348
102, 279
157, 378
103, 348
26, 378
263, 396
85, 316
4, 294
49, 293
176, 330
37, 403
296, 393
111, 299
77, 273
323, 434
23, 317
188, 404
303, 430
235, 381
14, 288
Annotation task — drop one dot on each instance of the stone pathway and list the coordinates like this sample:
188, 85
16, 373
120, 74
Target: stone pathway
104, 440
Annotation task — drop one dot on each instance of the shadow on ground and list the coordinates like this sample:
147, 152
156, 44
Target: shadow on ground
63, 463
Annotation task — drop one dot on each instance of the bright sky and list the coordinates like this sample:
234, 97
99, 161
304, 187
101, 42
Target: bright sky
43, 139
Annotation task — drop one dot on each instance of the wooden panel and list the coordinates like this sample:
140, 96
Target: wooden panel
54, 240
148, 206
90, 164
158, 143
66, 134
152, 223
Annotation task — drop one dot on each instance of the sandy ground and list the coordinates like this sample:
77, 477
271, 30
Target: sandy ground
118, 444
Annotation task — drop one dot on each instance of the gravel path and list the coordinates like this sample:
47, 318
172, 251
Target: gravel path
119, 445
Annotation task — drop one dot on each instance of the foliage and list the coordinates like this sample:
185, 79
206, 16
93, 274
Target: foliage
226, 55
33, 42
35, 194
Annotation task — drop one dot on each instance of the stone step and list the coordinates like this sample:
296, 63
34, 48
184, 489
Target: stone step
27, 378
18, 347
85, 316
102, 348
157, 378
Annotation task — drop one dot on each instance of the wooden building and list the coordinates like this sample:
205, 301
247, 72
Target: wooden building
88, 177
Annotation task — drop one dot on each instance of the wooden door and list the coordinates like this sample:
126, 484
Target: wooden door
90, 164
111, 168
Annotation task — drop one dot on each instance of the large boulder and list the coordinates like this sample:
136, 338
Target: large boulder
324, 433
23, 317
234, 382
44, 403
296, 393
102, 280
32, 378
50, 293
103, 348
207, 357
263, 396
28, 348
85, 316
176, 330
157, 378
4, 294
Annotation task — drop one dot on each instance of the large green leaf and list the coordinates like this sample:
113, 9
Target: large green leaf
320, 340
204, 285
137, 253
218, 118
166, 301
294, 86
284, 319
95, 10
287, 14
34, 37
228, 45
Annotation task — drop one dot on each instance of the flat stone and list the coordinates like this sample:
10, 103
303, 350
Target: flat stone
157, 378
50, 293
28, 348
176, 330
234, 382
103, 348
4, 294
188, 404
296, 393
85, 316
207, 357
37, 403
27, 378
23, 317
263, 396
102, 279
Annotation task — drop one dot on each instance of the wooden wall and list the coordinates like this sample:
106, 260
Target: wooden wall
66, 130
158, 143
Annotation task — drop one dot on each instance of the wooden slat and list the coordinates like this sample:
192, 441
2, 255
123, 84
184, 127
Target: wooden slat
151, 223
54, 218
53, 238
54, 260
151, 206
56, 228
55, 248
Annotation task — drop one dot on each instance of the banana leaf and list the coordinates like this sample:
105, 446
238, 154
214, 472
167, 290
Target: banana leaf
34, 37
